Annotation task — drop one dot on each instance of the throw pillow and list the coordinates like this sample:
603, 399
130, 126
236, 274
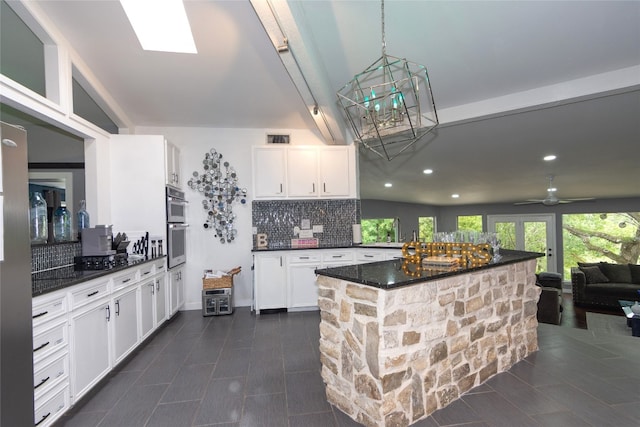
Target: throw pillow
617, 273
593, 275
635, 273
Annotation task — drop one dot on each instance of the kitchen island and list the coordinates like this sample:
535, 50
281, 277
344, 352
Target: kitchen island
398, 342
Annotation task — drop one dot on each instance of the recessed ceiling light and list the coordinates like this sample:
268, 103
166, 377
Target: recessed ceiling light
427, 171
549, 157
455, 196
388, 184
160, 25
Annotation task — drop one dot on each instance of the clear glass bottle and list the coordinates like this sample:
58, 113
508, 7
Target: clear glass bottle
38, 218
83, 218
61, 225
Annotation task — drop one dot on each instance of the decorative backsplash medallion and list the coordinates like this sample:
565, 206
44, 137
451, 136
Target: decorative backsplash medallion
278, 220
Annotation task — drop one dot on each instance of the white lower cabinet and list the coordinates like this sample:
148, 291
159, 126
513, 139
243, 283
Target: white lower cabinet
160, 300
176, 290
270, 281
51, 406
301, 280
125, 323
90, 346
147, 292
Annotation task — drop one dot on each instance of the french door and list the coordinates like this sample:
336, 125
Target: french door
533, 233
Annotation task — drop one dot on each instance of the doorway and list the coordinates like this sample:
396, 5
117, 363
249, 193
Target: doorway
532, 233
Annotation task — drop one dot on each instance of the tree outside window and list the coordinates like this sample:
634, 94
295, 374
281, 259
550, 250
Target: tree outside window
426, 227
609, 237
377, 229
470, 222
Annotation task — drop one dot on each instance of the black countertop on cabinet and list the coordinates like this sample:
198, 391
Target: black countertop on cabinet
52, 280
365, 245
390, 274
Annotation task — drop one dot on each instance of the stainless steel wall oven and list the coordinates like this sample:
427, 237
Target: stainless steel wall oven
176, 227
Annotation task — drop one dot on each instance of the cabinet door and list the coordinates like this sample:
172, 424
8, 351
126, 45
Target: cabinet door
125, 323
303, 290
302, 172
172, 165
90, 348
176, 290
160, 300
334, 172
270, 282
147, 292
269, 172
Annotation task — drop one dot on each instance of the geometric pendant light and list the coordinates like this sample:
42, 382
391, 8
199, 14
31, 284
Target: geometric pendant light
389, 105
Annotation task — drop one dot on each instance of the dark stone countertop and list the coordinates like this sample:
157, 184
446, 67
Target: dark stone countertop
363, 245
389, 274
52, 280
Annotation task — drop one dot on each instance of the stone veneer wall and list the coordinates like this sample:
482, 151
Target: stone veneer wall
392, 357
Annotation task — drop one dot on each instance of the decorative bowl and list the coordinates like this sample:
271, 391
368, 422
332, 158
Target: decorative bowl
635, 308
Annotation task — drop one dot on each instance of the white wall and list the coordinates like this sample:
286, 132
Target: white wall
204, 251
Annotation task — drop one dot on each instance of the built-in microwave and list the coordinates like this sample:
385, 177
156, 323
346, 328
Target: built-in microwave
176, 206
176, 244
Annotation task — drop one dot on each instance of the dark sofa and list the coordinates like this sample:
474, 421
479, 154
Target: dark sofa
601, 285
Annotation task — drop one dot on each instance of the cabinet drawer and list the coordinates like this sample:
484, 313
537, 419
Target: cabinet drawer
337, 257
124, 280
50, 372
47, 341
160, 265
51, 406
147, 270
89, 294
304, 258
48, 308
371, 256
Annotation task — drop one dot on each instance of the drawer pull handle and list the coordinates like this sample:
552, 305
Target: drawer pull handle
92, 294
41, 347
41, 382
368, 256
35, 316
126, 280
304, 257
146, 272
337, 256
44, 417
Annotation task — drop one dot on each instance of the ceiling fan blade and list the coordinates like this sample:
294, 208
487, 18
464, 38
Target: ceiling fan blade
529, 202
581, 199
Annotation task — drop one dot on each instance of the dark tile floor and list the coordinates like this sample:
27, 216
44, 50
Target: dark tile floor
247, 370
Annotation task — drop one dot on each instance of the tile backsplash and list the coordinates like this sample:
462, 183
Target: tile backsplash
47, 257
277, 219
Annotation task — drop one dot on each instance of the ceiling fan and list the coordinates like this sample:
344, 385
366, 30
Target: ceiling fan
552, 199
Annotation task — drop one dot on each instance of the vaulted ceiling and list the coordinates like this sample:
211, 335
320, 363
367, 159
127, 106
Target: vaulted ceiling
512, 81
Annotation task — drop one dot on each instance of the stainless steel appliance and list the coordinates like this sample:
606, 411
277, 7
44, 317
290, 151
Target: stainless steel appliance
176, 206
217, 301
176, 228
98, 241
16, 333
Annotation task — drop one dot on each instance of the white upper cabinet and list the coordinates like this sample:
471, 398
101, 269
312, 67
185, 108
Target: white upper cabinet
300, 172
172, 165
269, 172
335, 172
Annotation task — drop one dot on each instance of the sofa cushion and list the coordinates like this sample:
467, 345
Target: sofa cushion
635, 273
618, 273
593, 275
620, 291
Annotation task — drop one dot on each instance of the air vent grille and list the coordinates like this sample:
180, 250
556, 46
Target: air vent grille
277, 139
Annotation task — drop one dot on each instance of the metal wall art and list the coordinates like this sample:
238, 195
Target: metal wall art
218, 182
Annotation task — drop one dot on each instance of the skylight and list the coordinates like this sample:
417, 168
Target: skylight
161, 25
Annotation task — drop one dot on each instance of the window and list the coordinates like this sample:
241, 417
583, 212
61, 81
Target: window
470, 222
376, 230
609, 237
426, 227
